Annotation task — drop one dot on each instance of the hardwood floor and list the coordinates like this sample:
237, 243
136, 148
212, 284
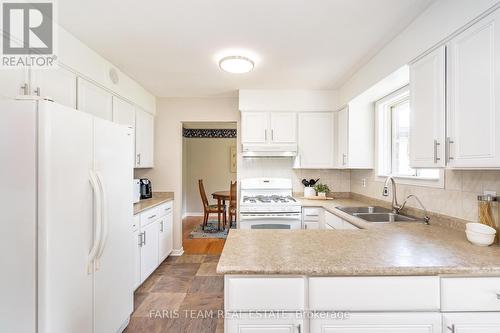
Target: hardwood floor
199, 246
184, 294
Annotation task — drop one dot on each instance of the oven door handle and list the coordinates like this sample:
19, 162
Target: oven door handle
273, 217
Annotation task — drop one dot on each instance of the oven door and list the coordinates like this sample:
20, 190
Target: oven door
270, 221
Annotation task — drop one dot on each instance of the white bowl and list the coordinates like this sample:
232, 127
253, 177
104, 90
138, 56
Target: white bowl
480, 239
480, 228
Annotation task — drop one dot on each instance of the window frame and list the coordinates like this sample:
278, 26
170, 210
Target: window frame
383, 142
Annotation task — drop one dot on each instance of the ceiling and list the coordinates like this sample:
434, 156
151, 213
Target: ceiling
172, 47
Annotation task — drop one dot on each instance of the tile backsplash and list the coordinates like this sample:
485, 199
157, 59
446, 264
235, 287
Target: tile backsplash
337, 180
457, 199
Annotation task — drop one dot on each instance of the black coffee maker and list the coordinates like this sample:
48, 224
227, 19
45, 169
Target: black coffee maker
146, 188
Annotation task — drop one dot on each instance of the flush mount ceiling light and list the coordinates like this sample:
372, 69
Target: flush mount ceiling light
236, 64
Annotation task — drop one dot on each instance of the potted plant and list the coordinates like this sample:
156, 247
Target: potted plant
322, 189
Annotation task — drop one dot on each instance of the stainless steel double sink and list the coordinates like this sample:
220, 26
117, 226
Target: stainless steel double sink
376, 214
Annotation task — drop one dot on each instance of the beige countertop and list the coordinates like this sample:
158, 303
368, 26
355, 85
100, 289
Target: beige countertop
157, 199
376, 249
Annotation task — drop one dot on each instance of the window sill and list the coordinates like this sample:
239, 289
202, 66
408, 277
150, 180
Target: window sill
416, 181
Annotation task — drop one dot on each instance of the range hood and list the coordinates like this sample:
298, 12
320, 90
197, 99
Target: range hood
267, 150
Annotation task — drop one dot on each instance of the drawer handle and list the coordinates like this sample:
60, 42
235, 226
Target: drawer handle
152, 216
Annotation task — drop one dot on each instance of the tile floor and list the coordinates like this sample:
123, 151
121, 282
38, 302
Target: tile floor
184, 294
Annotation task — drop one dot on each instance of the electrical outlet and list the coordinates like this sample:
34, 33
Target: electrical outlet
363, 182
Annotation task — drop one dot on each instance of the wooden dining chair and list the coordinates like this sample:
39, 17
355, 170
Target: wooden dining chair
208, 208
232, 204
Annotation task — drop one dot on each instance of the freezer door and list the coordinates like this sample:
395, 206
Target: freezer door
65, 232
114, 275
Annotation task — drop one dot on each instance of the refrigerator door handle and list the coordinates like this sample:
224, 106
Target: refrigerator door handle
97, 208
104, 219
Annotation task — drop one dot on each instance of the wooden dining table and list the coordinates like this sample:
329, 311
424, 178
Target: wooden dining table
221, 197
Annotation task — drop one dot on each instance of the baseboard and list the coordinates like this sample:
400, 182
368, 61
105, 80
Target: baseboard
192, 214
177, 253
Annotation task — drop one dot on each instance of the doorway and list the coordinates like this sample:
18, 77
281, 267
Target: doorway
209, 154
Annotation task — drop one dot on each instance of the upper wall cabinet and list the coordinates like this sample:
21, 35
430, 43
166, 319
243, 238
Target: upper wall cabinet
94, 100
14, 82
316, 141
56, 84
123, 112
268, 128
473, 116
427, 110
144, 139
355, 136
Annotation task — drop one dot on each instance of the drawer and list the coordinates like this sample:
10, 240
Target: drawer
266, 293
470, 294
149, 216
408, 293
165, 208
312, 214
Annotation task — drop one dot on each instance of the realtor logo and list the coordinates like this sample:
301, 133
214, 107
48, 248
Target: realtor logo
28, 34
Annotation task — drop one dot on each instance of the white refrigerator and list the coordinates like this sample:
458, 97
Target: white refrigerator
66, 198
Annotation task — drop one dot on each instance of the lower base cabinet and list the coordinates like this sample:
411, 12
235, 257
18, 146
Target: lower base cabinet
476, 322
265, 323
379, 323
149, 249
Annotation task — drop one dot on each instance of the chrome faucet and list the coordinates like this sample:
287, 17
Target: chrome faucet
395, 206
426, 217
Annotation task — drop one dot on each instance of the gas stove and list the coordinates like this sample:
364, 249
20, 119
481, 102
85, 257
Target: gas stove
265, 195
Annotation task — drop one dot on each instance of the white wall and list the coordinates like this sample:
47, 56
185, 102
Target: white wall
171, 113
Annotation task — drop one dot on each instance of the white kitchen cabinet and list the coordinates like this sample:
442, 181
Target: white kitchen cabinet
149, 249
283, 127
136, 244
378, 323
428, 110
473, 85
342, 137
476, 322
144, 139
13, 82
355, 136
56, 84
336, 222
265, 323
254, 126
316, 140
94, 100
123, 112
165, 241
268, 128
311, 225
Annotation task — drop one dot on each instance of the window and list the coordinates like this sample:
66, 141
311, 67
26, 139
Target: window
393, 134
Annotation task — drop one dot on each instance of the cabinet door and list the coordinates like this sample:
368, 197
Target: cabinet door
94, 100
149, 250
260, 323
123, 112
311, 225
473, 88
343, 137
144, 139
379, 323
334, 221
56, 84
427, 110
136, 245
316, 140
12, 82
254, 127
165, 237
283, 127
476, 322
